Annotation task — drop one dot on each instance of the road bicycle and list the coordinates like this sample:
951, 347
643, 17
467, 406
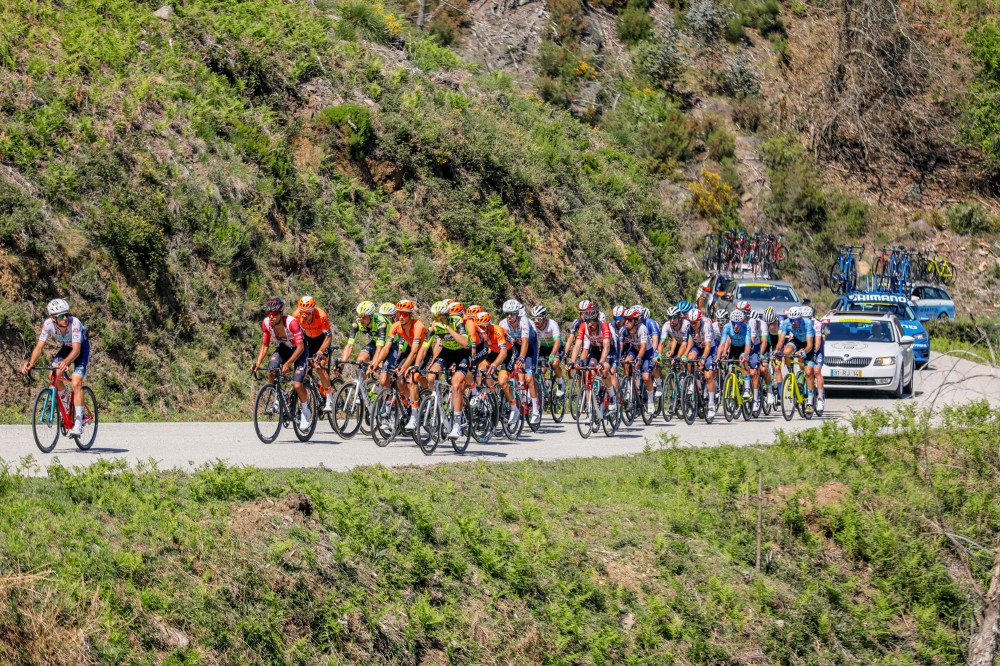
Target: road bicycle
548, 387
935, 269
634, 396
390, 411
436, 417
53, 414
674, 370
694, 393
519, 383
574, 387
483, 401
794, 390
736, 399
352, 407
844, 273
276, 407
595, 409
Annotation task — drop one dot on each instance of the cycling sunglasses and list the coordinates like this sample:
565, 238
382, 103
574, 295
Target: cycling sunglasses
60, 317
619, 320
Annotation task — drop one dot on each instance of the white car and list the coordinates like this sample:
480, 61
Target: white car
867, 352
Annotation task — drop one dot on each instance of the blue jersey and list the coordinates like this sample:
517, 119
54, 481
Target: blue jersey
739, 338
633, 341
802, 333
652, 328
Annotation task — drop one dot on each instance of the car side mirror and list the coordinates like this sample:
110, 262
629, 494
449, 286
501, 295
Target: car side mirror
906, 340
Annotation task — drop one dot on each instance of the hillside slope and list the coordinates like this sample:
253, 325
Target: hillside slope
168, 169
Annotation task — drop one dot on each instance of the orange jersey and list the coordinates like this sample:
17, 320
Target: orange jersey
408, 339
320, 324
496, 337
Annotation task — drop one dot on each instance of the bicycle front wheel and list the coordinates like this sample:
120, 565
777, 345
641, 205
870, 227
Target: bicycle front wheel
386, 418
584, 413
557, 406
90, 420
45, 420
347, 411
573, 391
788, 396
312, 395
688, 399
428, 429
626, 400
267, 413
802, 401
730, 396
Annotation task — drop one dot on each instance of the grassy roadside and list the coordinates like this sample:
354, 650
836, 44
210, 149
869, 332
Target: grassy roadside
636, 560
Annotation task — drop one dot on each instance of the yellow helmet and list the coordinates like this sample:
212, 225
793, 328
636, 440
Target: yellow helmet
366, 309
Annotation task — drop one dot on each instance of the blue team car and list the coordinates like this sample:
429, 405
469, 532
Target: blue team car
896, 304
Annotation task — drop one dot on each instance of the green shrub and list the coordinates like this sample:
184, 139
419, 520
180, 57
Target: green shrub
133, 240
360, 20
707, 20
353, 120
720, 144
431, 57
796, 197
981, 123
851, 215
659, 61
741, 79
634, 25
750, 113
969, 219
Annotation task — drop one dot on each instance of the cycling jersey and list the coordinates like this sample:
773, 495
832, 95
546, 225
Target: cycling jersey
703, 337
292, 337
377, 330
599, 338
75, 331
653, 328
802, 333
496, 338
548, 334
634, 340
523, 329
318, 327
438, 331
679, 333
741, 337
408, 339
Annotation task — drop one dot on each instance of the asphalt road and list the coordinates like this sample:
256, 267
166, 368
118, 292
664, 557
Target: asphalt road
946, 380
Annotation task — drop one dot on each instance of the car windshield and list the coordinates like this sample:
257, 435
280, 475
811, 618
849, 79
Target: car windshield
901, 310
766, 292
858, 331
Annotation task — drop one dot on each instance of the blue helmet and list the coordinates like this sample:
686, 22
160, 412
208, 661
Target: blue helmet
685, 306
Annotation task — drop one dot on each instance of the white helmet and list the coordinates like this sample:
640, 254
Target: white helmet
58, 306
539, 311
806, 311
584, 305
793, 313
743, 305
619, 311
737, 316
512, 306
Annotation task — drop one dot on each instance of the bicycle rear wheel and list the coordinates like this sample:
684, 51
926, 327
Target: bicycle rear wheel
688, 399
647, 412
788, 396
90, 421
45, 420
626, 400
347, 411
803, 406
585, 413
512, 430
480, 416
557, 405
612, 418
314, 406
730, 396
372, 390
573, 390
267, 409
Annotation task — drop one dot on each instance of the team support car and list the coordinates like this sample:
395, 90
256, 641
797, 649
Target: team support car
867, 352
932, 302
760, 294
898, 305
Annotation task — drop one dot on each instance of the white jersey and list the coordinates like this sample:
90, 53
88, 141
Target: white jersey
704, 337
548, 335
75, 331
680, 334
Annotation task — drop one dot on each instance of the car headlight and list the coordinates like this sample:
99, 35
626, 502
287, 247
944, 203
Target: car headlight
920, 336
885, 360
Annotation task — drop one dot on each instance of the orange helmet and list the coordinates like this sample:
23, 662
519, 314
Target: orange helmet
473, 310
483, 318
456, 308
307, 303
405, 306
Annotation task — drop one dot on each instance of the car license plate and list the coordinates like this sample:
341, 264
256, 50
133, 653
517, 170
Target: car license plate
844, 373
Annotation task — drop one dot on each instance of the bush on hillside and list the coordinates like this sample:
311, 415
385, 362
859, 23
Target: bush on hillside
968, 219
360, 19
982, 108
353, 120
660, 61
740, 79
707, 20
711, 198
796, 198
634, 25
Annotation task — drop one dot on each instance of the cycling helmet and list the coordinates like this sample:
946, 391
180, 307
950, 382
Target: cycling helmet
473, 310
439, 308
755, 314
366, 309
590, 314
769, 316
806, 311
483, 318
539, 311
673, 311
456, 308
742, 305
58, 306
721, 314
405, 306
793, 313
584, 305
685, 306
645, 313
511, 307
633, 312
273, 305
307, 303
694, 315
737, 316
619, 311
387, 309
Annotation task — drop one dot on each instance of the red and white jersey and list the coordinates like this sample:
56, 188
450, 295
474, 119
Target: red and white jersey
293, 332
599, 338
75, 331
